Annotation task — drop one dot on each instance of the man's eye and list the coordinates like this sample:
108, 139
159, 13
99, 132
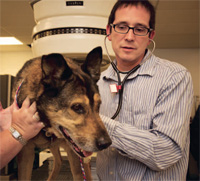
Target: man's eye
78, 108
122, 27
140, 29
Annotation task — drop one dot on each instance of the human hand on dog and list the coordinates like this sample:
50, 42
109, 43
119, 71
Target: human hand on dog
26, 120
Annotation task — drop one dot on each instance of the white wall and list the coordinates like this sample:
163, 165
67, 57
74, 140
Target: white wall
11, 62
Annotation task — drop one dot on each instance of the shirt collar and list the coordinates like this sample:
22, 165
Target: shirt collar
147, 68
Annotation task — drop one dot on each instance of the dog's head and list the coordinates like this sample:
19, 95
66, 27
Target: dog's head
69, 103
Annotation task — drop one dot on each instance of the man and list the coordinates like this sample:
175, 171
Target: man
150, 135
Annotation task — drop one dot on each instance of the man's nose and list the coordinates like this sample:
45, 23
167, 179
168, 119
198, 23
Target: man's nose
130, 36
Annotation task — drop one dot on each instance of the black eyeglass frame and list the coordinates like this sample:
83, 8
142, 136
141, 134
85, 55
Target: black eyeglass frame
149, 29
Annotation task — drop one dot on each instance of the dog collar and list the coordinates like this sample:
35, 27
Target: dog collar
16, 94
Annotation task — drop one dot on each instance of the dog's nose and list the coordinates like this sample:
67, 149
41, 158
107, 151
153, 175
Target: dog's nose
103, 143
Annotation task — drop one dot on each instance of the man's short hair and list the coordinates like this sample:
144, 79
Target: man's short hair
124, 3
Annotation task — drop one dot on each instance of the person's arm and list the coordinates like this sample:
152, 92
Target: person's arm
9, 147
161, 146
5, 117
25, 121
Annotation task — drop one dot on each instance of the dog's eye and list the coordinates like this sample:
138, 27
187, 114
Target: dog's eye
78, 108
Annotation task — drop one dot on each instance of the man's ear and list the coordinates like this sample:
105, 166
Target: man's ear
151, 36
92, 63
54, 70
108, 31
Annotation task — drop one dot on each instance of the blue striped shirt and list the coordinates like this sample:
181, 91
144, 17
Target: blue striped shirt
150, 136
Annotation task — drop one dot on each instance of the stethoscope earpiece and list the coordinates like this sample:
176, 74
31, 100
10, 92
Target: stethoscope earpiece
154, 45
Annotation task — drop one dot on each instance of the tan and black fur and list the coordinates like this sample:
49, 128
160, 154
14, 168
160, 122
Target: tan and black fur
68, 103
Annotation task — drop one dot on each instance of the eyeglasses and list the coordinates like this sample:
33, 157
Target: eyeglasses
137, 30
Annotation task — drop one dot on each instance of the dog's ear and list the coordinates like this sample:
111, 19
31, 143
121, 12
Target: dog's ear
92, 63
54, 70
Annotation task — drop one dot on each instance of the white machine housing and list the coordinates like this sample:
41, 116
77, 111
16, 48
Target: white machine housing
72, 28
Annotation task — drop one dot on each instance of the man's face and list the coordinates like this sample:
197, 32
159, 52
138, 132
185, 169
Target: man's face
130, 48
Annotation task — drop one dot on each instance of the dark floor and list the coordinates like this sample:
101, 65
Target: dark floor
44, 171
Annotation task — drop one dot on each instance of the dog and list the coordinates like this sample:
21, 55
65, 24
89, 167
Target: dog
68, 102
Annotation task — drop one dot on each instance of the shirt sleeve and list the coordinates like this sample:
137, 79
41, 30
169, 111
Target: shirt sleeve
163, 144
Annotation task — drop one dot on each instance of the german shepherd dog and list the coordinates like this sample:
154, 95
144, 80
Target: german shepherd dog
68, 103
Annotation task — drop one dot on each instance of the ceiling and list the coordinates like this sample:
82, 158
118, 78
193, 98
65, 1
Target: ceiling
177, 23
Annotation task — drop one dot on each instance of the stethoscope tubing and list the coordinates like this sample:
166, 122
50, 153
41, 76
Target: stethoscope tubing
121, 83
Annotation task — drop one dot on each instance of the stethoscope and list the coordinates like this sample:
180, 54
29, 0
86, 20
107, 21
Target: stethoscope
121, 84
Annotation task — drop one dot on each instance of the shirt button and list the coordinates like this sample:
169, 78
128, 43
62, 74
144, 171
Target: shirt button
113, 149
111, 173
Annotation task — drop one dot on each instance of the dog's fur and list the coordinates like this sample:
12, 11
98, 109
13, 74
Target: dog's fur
68, 103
